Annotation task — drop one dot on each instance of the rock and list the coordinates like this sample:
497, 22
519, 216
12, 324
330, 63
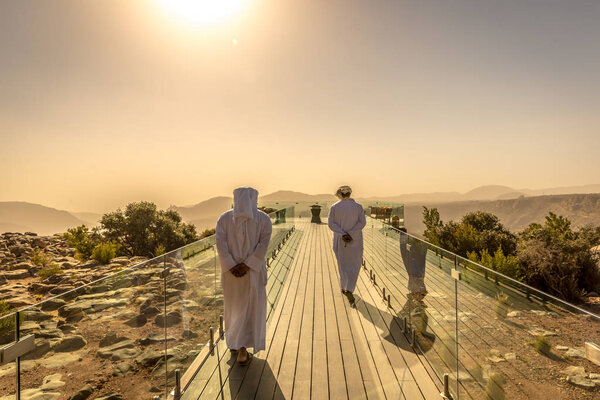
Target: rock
111, 338
59, 360
108, 351
16, 274
561, 348
110, 396
535, 331
52, 382
154, 338
495, 356
41, 288
122, 369
38, 394
70, 343
150, 357
514, 314
150, 311
123, 354
581, 381
83, 393
137, 321
42, 346
574, 370
35, 315
172, 318
510, 356
576, 352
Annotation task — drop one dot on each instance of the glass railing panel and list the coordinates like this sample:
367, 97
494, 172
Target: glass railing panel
100, 338
8, 370
422, 295
518, 340
194, 304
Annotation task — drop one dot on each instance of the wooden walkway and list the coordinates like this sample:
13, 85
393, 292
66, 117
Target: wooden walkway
320, 347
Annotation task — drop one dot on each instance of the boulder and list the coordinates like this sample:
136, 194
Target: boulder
70, 343
137, 321
108, 351
52, 304
17, 274
172, 318
83, 393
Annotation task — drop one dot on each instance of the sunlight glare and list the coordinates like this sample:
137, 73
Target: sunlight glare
201, 11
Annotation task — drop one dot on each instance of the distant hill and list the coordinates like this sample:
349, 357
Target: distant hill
288, 196
17, 216
488, 192
515, 214
90, 219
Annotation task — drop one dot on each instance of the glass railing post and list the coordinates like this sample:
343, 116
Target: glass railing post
165, 275
18, 360
456, 276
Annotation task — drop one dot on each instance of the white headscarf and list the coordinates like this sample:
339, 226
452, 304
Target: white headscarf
245, 213
245, 201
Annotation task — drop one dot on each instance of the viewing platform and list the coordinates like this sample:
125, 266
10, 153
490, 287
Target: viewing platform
318, 345
153, 330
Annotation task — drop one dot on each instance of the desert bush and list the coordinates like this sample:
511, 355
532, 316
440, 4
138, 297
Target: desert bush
82, 241
542, 345
494, 390
558, 260
502, 305
207, 233
141, 228
41, 259
476, 232
49, 271
104, 252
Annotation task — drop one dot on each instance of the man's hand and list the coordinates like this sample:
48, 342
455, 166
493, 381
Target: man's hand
239, 270
347, 238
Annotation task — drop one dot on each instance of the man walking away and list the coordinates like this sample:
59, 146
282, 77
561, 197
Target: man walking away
346, 220
242, 237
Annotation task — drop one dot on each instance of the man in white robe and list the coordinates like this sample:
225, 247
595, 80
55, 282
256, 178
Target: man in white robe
242, 237
347, 220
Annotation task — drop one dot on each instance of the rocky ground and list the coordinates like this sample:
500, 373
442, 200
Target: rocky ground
104, 340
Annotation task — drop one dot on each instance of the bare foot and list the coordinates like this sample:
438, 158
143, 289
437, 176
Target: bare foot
242, 355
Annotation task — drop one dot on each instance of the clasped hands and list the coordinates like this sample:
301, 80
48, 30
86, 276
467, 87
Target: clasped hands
239, 270
347, 238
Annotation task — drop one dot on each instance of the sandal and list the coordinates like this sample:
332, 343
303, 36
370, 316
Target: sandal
244, 363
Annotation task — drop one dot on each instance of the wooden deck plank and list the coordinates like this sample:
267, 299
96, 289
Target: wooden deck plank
318, 346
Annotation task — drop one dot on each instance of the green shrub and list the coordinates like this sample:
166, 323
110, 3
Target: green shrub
7, 325
104, 252
80, 239
41, 259
160, 250
52, 270
542, 345
207, 233
141, 228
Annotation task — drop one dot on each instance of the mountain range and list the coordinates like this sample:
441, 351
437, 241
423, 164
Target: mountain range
515, 207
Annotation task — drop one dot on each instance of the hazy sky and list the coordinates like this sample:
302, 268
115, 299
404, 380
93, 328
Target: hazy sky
106, 102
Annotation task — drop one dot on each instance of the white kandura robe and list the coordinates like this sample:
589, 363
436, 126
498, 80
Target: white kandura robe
245, 298
347, 216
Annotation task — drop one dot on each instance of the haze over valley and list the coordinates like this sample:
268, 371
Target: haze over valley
516, 208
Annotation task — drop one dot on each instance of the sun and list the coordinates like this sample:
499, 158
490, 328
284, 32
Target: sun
201, 11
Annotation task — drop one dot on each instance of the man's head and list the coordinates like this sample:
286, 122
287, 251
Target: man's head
245, 201
343, 192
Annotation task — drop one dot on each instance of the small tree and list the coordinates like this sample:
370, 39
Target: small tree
142, 229
80, 239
